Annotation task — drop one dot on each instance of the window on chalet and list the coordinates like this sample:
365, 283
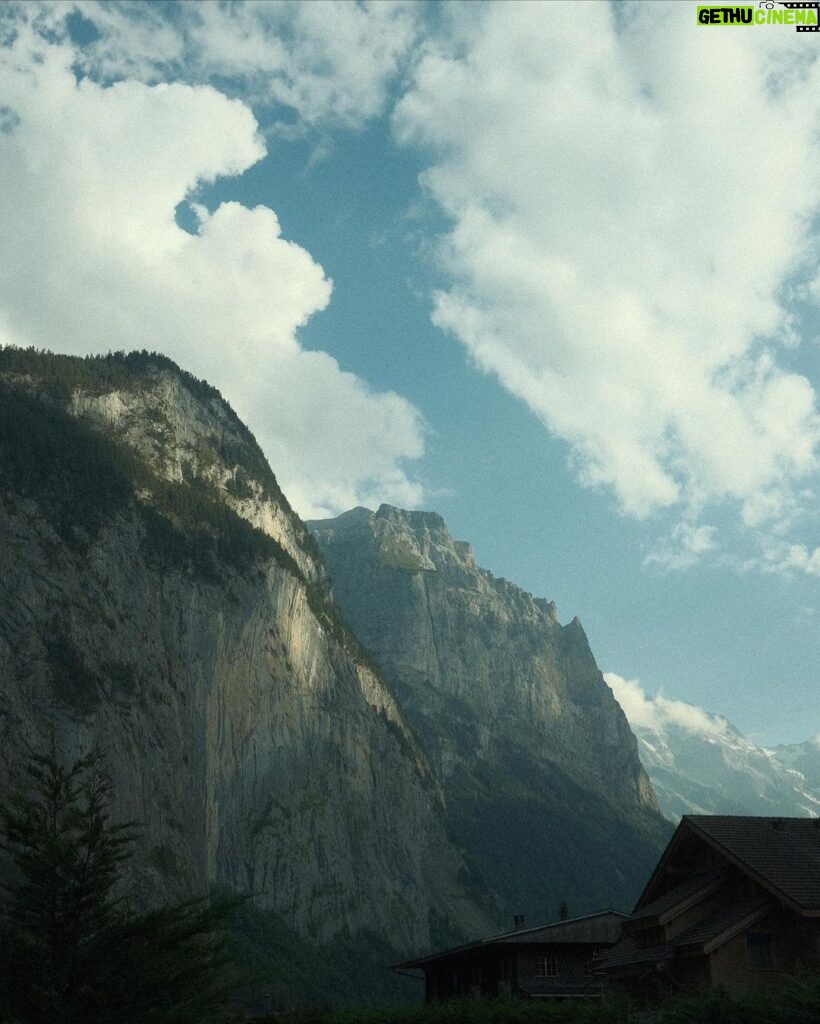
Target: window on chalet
546, 967
759, 951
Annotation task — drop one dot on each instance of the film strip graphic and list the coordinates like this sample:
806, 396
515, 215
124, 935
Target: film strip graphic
813, 5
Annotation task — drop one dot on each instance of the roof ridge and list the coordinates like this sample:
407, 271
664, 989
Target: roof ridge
552, 924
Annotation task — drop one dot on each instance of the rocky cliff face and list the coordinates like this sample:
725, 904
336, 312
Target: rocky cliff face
158, 595
540, 770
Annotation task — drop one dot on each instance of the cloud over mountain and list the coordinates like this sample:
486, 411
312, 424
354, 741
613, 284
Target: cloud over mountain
95, 260
699, 762
631, 247
657, 714
631, 199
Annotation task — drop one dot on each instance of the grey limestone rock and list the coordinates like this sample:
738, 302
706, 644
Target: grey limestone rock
539, 767
242, 727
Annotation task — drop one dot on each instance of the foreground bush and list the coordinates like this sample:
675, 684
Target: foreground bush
797, 1002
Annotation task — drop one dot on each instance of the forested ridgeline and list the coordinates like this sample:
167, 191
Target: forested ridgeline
80, 477
60, 376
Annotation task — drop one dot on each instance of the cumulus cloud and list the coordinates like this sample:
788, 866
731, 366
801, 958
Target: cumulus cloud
94, 260
685, 546
628, 196
657, 714
330, 61
790, 559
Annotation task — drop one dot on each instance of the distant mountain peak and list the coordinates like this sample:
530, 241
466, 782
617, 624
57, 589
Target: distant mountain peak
700, 763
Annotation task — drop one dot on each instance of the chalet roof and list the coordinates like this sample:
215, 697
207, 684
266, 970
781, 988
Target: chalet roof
783, 854
723, 923
687, 892
599, 929
628, 953
702, 937
780, 854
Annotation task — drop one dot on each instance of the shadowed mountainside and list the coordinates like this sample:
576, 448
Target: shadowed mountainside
157, 594
540, 770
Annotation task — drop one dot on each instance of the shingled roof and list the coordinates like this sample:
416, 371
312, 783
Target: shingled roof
782, 854
689, 891
598, 929
722, 924
700, 938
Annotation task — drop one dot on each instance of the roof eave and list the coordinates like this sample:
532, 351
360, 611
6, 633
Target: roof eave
690, 901
671, 846
729, 933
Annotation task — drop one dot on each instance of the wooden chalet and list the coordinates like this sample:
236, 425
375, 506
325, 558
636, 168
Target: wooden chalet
733, 903
553, 961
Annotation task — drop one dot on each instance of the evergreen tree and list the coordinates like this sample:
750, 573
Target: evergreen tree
71, 949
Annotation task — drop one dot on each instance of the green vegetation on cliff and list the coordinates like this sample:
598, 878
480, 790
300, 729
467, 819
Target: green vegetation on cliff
80, 479
59, 376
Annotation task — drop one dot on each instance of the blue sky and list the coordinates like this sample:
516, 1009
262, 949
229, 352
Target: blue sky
549, 269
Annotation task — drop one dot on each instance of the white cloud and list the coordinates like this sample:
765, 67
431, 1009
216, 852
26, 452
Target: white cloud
685, 546
657, 713
627, 203
328, 60
791, 558
93, 260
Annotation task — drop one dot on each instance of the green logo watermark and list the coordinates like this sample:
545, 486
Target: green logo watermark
805, 16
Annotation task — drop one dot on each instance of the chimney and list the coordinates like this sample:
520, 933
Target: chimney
519, 921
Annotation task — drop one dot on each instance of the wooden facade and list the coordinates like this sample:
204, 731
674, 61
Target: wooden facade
552, 961
734, 903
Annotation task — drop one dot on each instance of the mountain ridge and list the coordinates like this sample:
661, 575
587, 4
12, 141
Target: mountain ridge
508, 706
155, 599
